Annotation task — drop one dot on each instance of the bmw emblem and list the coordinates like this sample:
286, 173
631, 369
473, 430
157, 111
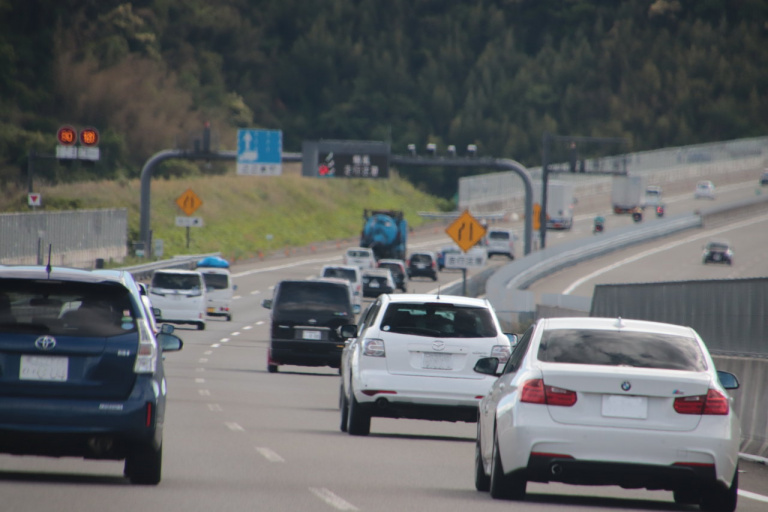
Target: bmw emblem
45, 342
626, 386
438, 345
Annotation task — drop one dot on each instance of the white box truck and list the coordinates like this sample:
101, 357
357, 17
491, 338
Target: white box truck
560, 203
627, 193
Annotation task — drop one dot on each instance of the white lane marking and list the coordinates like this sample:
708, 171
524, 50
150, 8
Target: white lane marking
235, 334
199, 369
204, 392
247, 327
260, 322
214, 407
255, 292
753, 496
199, 381
270, 455
224, 340
636, 257
234, 427
289, 265
202, 360
332, 499
207, 353
215, 345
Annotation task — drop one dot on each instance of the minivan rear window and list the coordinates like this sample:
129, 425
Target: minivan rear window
63, 308
216, 281
171, 281
621, 348
498, 235
342, 273
316, 295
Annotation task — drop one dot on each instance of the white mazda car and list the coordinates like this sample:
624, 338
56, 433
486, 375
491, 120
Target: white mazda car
609, 401
413, 356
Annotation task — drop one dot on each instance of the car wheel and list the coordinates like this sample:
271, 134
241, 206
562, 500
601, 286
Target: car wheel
717, 499
358, 421
482, 481
143, 466
343, 408
200, 326
229, 318
505, 487
434, 277
272, 368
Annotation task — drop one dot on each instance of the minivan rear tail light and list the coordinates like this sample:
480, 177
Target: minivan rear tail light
146, 358
374, 347
535, 392
501, 352
714, 402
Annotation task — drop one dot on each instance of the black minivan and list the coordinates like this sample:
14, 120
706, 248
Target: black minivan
306, 317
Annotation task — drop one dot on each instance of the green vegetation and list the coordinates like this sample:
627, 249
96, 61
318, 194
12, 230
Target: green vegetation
239, 212
496, 73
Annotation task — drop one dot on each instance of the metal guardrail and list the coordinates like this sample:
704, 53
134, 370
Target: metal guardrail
144, 272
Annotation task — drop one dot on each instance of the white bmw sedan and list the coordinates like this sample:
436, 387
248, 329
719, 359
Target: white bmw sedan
413, 357
609, 401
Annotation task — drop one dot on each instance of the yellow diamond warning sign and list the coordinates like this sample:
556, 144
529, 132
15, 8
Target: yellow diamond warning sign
189, 202
466, 231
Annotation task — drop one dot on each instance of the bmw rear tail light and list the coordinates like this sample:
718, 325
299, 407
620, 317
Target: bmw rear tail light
714, 402
374, 347
502, 352
146, 358
535, 391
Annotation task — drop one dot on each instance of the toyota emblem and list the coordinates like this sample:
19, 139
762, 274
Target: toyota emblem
45, 342
438, 345
626, 386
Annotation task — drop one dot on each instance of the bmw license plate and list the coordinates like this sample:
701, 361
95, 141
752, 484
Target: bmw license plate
311, 335
435, 361
618, 406
45, 368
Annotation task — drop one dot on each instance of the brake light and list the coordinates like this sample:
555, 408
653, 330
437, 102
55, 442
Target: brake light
535, 392
714, 402
502, 352
146, 358
374, 347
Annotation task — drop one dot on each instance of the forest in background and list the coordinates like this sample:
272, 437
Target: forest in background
495, 73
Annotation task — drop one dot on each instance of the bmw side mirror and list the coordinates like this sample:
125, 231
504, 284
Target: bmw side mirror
487, 365
728, 380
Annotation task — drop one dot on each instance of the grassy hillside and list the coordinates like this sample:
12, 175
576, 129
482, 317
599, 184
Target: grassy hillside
241, 212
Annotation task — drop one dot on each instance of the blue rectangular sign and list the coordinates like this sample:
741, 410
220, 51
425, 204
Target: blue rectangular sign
259, 152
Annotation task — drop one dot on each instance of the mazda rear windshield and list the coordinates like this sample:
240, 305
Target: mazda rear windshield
621, 348
444, 320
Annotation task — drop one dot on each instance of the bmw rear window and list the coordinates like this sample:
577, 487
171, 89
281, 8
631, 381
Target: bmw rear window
621, 348
65, 308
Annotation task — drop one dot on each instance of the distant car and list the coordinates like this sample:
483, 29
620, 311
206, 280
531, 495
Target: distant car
610, 401
717, 251
764, 178
82, 371
500, 241
397, 267
305, 319
361, 257
422, 264
352, 274
448, 249
180, 295
413, 358
704, 190
377, 281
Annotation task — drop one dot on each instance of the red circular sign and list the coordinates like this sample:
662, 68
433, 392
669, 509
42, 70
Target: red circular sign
67, 136
89, 136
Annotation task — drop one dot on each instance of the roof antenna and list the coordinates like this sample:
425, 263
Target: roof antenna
48, 267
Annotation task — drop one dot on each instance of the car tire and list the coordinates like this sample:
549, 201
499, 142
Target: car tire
358, 421
505, 487
143, 466
229, 318
686, 496
200, 326
482, 481
344, 409
271, 368
717, 499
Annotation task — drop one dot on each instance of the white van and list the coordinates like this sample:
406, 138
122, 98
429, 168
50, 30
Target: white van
361, 257
500, 241
218, 282
180, 296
